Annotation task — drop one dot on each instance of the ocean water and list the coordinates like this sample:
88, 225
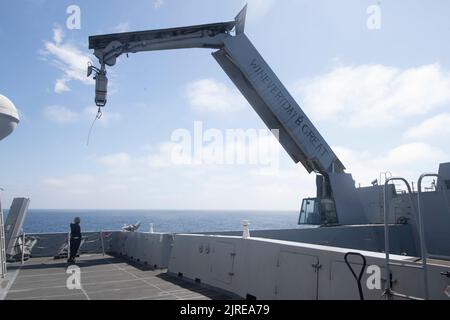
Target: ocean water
48, 221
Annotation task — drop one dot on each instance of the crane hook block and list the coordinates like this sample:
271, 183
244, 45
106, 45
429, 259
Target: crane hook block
101, 89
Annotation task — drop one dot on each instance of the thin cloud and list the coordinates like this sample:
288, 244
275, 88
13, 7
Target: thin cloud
108, 117
60, 115
72, 184
64, 115
114, 160
435, 127
258, 9
67, 58
61, 85
374, 95
154, 182
158, 3
210, 95
122, 27
406, 160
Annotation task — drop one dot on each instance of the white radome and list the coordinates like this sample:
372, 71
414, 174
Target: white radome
9, 117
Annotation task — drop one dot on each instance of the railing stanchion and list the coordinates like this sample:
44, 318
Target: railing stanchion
103, 243
3, 267
68, 246
23, 249
389, 293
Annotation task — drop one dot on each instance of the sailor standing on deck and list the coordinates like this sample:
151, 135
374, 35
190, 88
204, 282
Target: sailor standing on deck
75, 239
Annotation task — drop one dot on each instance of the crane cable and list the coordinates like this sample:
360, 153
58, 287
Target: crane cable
98, 116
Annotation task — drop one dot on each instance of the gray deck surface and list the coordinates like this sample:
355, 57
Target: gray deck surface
102, 278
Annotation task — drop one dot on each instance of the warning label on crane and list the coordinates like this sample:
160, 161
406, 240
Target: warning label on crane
315, 152
292, 111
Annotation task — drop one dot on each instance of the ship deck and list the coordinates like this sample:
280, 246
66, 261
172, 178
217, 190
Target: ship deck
102, 278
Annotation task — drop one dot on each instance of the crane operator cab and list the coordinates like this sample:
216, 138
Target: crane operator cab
318, 212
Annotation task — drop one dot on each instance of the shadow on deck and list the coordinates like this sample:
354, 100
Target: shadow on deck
102, 278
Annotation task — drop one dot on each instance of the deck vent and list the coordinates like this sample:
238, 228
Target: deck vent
180, 275
197, 280
251, 298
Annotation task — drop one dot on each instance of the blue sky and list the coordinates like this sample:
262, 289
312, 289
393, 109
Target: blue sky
379, 97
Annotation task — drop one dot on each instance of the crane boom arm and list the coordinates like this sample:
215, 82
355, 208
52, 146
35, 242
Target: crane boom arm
249, 72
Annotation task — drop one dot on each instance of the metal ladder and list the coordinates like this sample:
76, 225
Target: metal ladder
3, 269
389, 293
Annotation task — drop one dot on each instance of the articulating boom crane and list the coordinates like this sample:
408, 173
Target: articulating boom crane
337, 201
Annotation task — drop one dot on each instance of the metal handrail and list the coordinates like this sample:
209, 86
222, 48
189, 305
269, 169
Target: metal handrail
3, 267
389, 291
